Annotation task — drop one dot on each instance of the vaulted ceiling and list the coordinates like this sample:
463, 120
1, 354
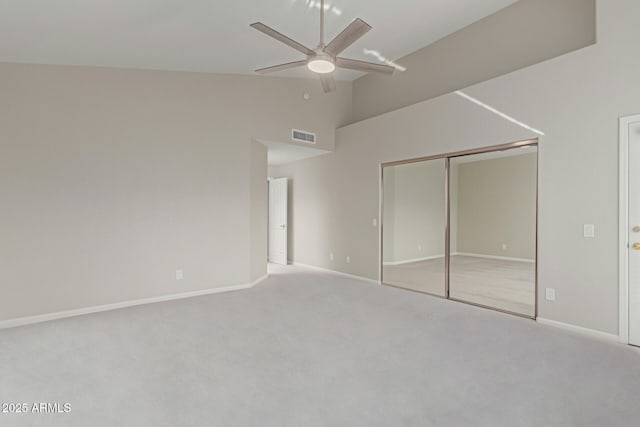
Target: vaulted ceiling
214, 35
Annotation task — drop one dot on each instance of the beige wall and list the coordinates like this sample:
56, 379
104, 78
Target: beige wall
335, 197
576, 99
414, 211
259, 211
496, 202
526, 33
111, 180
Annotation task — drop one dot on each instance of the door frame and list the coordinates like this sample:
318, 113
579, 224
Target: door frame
447, 231
623, 223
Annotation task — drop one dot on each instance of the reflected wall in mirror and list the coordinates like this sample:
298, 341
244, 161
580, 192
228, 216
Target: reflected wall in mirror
414, 217
493, 199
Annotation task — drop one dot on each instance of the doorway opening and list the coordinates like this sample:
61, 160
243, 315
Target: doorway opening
463, 226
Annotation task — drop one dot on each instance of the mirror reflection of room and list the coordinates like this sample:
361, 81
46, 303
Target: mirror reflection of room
493, 229
414, 223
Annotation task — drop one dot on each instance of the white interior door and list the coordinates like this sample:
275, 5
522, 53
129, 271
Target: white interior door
278, 221
634, 233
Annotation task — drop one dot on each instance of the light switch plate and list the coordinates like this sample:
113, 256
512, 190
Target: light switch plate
179, 275
374, 222
550, 294
589, 230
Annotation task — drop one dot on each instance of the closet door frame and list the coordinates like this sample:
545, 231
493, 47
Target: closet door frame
447, 229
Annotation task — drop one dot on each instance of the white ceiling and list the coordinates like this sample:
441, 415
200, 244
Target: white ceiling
214, 35
280, 153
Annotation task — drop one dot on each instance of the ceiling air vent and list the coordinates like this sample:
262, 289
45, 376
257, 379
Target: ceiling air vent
302, 136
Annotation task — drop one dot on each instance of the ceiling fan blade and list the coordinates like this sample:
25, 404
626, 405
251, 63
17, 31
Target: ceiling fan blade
282, 38
328, 83
367, 67
347, 37
281, 67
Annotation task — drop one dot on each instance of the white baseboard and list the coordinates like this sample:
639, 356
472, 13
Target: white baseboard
338, 273
410, 261
503, 258
579, 329
22, 321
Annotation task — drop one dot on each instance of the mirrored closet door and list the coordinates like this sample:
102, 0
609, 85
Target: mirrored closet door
493, 229
463, 226
414, 217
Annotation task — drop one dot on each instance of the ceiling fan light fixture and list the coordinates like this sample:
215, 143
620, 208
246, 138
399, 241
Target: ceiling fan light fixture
324, 60
321, 64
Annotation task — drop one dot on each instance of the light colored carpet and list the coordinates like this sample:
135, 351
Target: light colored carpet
505, 285
311, 349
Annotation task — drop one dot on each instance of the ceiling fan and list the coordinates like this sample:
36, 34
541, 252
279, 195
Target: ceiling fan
324, 59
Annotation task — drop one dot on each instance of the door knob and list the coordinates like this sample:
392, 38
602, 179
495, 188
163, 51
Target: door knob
636, 246
636, 229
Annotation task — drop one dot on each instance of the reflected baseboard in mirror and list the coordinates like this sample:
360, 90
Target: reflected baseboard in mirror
501, 284
423, 276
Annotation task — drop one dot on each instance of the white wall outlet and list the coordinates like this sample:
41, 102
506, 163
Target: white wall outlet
374, 222
550, 294
331, 256
504, 246
419, 248
179, 275
348, 259
589, 231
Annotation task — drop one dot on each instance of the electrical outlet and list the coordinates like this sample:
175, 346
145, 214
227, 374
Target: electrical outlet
550, 294
504, 246
331, 256
419, 248
348, 259
179, 275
